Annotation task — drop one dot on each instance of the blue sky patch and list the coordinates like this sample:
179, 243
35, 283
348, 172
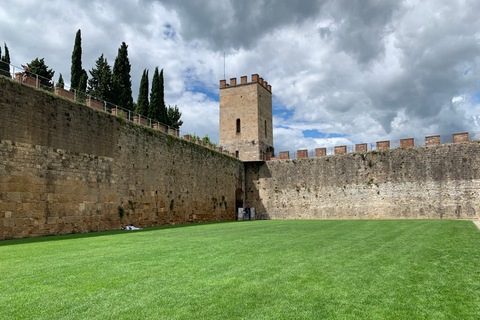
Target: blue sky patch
318, 134
169, 32
282, 112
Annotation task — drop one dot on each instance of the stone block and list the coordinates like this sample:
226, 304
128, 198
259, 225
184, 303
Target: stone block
361, 147
140, 120
302, 154
320, 152
65, 93
120, 113
460, 137
340, 150
407, 143
160, 127
28, 80
94, 104
173, 132
432, 140
383, 145
284, 155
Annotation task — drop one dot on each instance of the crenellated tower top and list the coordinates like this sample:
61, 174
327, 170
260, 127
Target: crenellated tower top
243, 81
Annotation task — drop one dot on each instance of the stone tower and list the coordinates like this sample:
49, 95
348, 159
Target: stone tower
246, 128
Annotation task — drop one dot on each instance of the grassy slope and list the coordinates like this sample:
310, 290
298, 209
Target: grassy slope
252, 270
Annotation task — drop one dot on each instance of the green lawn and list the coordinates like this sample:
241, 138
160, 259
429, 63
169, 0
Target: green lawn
394, 269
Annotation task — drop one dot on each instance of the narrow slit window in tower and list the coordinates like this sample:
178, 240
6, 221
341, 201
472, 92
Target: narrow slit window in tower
265, 128
238, 125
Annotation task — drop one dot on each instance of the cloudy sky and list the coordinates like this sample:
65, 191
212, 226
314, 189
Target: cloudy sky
342, 71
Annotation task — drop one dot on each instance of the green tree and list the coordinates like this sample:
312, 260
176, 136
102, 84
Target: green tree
38, 67
206, 139
60, 82
162, 98
122, 84
5, 62
76, 70
82, 86
142, 100
157, 110
100, 83
174, 115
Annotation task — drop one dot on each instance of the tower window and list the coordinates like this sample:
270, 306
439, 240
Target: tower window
238, 125
265, 128
237, 154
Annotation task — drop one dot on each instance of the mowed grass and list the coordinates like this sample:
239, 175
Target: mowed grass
394, 269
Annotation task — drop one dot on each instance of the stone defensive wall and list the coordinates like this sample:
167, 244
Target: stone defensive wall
437, 181
68, 168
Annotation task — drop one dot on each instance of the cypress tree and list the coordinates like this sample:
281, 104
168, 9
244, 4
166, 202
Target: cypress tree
155, 98
122, 84
82, 85
76, 70
163, 109
7, 54
5, 62
142, 100
60, 82
100, 83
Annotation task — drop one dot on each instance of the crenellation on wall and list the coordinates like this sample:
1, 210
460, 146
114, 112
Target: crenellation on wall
383, 145
284, 155
432, 140
65, 93
320, 152
361, 147
31, 81
407, 143
301, 154
460, 137
94, 104
340, 150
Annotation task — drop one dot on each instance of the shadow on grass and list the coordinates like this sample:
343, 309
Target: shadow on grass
72, 236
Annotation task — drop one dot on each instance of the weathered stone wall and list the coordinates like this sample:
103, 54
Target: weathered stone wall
435, 182
68, 168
